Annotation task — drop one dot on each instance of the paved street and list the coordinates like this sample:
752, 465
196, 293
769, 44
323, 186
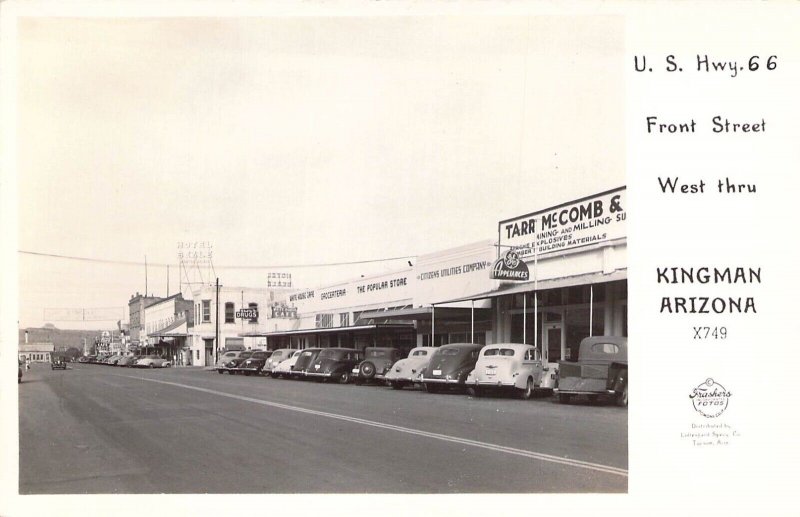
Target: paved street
101, 429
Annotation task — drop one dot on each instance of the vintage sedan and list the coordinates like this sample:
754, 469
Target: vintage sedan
58, 364
114, 359
506, 366
304, 361
601, 369
253, 364
450, 366
223, 360
334, 364
128, 360
232, 366
408, 371
277, 357
284, 368
152, 361
377, 362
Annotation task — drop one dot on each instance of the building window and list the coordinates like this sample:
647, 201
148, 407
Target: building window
197, 354
324, 321
254, 306
206, 310
344, 319
229, 313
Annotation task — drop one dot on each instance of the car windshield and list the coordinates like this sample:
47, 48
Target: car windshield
332, 353
420, 353
259, 355
450, 351
605, 348
231, 354
306, 354
377, 353
245, 355
499, 351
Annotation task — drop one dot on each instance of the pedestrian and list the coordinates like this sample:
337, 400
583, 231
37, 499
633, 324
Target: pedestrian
27, 363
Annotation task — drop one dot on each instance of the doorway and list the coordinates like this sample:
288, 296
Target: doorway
553, 342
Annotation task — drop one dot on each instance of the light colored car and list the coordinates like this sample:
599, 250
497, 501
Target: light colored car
277, 357
284, 369
153, 361
225, 358
506, 366
408, 371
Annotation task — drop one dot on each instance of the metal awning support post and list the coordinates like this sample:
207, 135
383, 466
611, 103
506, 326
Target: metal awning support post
433, 325
472, 322
524, 318
591, 308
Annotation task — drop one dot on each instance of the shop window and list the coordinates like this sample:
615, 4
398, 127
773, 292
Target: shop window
344, 319
577, 328
206, 310
551, 298
252, 305
324, 321
230, 312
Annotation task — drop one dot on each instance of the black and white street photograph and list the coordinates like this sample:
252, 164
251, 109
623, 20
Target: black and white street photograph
321, 254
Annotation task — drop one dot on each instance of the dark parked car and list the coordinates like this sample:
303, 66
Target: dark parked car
601, 369
450, 366
253, 364
377, 362
334, 363
58, 364
231, 365
304, 362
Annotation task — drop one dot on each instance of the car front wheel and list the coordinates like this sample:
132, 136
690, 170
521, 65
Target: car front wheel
622, 398
344, 377
527, 391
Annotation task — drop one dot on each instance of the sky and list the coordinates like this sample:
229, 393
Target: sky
293, 141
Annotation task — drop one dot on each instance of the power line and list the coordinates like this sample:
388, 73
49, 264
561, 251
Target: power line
157, 264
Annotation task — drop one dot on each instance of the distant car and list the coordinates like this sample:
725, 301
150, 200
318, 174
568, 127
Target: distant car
152, 361
58, 364
277, 357
253, 364
114, 359
409, 370
601, 369
377, 362
450, 366
284, 368
506, 366
304, 361
128, 360
334, 364
84, 359
19, 374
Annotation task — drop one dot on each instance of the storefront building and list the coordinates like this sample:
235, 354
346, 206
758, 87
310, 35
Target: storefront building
36, 352
574, 285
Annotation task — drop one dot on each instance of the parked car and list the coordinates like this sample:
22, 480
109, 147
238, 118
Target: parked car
230, 360
277, 357
377, 361
601, 369
225, 358
114, 359
128, 360
335, 364
84, 359
152, 361
58, 364
304, 361
253, 364
450, 366
409, 370
284, 368
506, 366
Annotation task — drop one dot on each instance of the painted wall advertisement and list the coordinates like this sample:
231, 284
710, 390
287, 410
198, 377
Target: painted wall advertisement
572, 225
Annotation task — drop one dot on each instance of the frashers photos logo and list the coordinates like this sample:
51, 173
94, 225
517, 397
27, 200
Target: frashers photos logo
710, 399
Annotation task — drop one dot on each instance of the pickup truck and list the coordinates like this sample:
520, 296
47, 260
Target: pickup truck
601, 369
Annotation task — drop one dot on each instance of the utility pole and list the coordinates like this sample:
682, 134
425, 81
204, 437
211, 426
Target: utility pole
145, 276
167, 280
216, 320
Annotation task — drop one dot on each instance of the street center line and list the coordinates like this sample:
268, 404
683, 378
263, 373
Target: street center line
447, 438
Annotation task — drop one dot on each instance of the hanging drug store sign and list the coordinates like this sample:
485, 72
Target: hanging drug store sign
247, 314
584, 222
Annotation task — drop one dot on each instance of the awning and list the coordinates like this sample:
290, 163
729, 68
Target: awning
331, 330
424, 313
555, 283
168, 330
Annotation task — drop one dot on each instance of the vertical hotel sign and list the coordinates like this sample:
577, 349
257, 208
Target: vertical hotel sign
576, 224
